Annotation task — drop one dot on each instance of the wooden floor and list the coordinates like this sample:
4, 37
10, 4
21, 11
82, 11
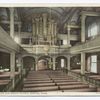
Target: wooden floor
38, 81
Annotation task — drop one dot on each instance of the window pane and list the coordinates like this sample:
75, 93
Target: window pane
64, 42
62, 63
89, 31
92, 30
94, 67
94, 58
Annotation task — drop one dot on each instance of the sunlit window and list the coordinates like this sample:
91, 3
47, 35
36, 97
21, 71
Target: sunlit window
94, 63
64, 42
92, 30
62, 63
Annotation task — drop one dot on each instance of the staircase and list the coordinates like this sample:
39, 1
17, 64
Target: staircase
54, 81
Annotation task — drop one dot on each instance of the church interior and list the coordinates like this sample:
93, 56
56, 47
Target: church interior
49, 49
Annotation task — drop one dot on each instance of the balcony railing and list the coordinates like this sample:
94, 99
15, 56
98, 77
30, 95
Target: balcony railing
41, 49
90, 45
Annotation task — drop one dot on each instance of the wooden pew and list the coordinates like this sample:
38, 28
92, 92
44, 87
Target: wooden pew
35, 79
69, 87
82, 90
40, 89
36, 82
68, 83
3, 84
39, 84
70, 80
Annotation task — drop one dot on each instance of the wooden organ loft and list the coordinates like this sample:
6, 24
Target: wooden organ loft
50, 49
44, 30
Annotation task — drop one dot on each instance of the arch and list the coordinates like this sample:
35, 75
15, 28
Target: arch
61, 62
75, 62
29, 63
44, 62
42, 56
28, 55
61, 56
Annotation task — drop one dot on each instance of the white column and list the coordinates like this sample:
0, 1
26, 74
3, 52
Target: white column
33, 30
12, 22
52, 31
45, 24
36, 63
68, 36
82, 63
83, 18
54, 63
41, 27
55, 33
68, 62
30, 40
20, 65
19, 33
37, 29
12, 68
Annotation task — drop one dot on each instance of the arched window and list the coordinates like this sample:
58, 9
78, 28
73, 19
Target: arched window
62, 63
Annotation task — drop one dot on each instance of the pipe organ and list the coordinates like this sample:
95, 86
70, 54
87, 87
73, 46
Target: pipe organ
44, 30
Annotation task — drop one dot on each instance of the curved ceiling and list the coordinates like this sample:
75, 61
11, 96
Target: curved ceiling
57, 13
61, 14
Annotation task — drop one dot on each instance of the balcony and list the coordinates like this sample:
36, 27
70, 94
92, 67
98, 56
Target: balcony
92, 45
42, 49
6, 42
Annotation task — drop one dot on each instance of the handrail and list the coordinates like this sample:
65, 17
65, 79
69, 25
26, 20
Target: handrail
84, 78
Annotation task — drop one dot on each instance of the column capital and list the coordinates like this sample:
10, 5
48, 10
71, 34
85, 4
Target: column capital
40, 18
37, 19
19, 25
33, 20
11, 10
55, 23
68, 28
52, 21
44, 15
83, 16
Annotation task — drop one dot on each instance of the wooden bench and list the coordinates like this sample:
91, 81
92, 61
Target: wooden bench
70, 80
40, 84
82, 90
68, 83
63, 87
5, 76
3, 84
31, 79
40, 89
36, 82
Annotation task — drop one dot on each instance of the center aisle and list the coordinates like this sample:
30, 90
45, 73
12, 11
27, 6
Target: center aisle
39, 81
